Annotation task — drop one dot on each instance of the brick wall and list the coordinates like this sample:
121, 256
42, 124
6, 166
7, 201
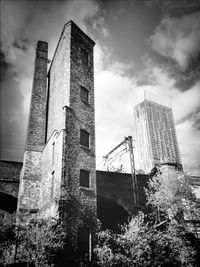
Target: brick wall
68, 113
10, 170
30, 178
37, 116
59, 83
79, 115
51, 175
29, 190
45, 185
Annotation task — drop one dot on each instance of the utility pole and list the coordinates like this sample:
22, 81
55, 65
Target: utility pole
129, 142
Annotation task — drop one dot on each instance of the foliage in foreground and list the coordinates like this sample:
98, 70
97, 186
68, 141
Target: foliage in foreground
47, 242
141, 245
172, 197
37, 244
159, 238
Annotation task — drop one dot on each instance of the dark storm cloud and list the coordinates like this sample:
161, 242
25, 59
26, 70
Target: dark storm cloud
21, 44
4, 67
180, 8
194, 117
185, 83
177, 39
185, 80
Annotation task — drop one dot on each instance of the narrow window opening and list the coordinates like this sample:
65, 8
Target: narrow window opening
84, 57
84, 178
33, 211
84, 138
84, 94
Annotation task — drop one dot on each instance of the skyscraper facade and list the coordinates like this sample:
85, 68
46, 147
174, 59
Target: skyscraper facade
156, 135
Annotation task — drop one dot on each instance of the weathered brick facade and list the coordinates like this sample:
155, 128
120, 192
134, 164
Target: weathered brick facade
61, 143
30, 178
113, 187
54, 154
36, 131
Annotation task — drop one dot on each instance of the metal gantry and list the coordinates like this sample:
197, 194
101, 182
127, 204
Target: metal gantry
128, 142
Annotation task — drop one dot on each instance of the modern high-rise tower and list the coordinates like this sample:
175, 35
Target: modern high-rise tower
156, 134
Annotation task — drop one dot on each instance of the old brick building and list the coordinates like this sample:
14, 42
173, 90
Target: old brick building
59, 157
59, 169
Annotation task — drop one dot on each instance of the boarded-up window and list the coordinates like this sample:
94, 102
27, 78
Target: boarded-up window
84, 178
84, 94
84, 56
84, 138
84, 243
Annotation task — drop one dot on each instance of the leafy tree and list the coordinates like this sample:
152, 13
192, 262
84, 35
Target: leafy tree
76, 214
48, 242
159, 238
37, 244
141, 245
119, 169
155, 170
140, 171
172, 197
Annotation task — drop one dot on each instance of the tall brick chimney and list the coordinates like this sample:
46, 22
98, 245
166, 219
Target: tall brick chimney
37, 117
30, 178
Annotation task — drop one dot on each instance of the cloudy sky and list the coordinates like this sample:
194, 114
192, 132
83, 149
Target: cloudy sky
152, 45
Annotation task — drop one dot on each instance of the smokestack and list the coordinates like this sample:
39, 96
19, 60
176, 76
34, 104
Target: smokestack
37, 115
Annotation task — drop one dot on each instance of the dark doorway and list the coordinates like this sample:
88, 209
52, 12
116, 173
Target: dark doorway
84, 243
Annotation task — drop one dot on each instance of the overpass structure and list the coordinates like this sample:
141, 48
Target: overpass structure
9, 186
115, 198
